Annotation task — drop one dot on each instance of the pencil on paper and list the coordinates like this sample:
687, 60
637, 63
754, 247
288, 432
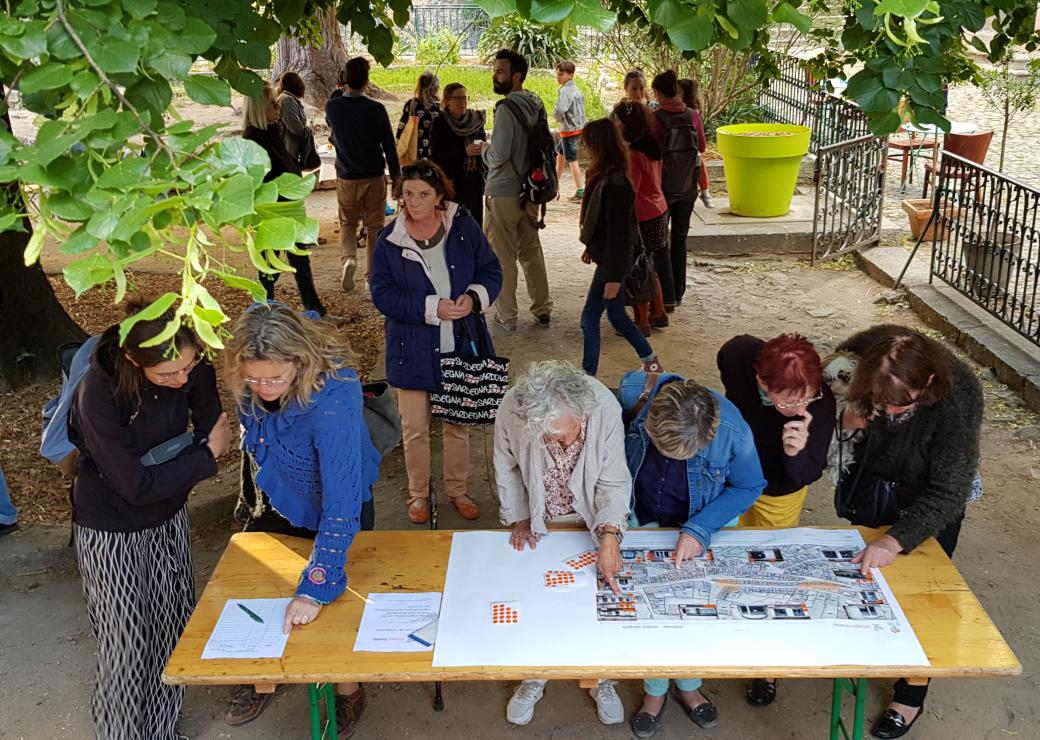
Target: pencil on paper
358, 595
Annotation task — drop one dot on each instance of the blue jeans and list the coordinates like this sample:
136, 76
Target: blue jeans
595, 305
8, 514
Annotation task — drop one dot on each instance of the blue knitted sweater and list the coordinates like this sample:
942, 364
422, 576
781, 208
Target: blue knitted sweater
317, 464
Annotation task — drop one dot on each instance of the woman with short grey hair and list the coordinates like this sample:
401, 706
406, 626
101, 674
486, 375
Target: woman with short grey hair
560, 459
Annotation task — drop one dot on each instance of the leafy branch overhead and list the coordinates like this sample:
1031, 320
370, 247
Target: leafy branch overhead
114, 175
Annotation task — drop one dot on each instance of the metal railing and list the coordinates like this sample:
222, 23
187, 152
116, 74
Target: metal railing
794, 97
986, 241
466, 21
850, 194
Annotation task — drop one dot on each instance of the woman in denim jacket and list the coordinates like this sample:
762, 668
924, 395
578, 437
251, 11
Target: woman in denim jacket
694, 466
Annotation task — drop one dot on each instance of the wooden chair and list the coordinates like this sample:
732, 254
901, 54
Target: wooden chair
904, 149
969, 146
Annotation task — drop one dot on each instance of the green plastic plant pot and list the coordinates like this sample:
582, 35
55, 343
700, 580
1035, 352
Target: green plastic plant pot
761, 162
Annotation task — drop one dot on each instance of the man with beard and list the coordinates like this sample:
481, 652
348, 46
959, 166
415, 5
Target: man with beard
510, 224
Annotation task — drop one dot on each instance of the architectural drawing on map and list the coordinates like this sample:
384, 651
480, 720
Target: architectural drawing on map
733, 582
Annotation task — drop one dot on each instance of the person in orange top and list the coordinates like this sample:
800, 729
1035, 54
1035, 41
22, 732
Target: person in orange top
570, 114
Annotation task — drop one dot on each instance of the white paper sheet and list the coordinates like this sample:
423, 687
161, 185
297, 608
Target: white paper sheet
388, 619
804, 609
237, 635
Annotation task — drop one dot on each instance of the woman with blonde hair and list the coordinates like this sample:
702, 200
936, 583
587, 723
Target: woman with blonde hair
309, 463
425, 105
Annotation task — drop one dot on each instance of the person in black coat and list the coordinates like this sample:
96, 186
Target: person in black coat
455, 138
260, 124
130, 517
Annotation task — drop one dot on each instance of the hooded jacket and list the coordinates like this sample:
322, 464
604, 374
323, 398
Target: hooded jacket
113, 491
403, 292
506, 158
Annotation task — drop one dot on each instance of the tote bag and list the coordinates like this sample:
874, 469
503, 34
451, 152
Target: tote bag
472, 385
408, 143
309, 157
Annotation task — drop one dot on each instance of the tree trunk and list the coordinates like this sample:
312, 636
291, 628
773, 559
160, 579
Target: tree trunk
318, 66
32, 322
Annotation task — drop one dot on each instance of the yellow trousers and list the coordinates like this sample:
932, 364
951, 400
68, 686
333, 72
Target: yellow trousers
776, 511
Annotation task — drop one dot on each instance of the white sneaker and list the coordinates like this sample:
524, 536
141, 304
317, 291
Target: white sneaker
347, 278
608, 704
520, 710
706, 199
507, 325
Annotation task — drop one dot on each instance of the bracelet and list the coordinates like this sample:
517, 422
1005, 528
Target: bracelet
600, 533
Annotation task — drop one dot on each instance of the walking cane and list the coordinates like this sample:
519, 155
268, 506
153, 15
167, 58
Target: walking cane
438, 698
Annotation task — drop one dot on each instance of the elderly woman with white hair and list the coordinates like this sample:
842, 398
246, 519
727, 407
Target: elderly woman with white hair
694, 466
560, 459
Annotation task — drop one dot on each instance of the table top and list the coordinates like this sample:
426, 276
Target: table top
930, 129
956, 633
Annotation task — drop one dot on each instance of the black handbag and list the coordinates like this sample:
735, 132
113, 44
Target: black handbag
865, 498
639, 283
381, 416
309, 158
472, 384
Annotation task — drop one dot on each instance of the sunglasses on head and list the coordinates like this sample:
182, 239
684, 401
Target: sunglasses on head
416, 171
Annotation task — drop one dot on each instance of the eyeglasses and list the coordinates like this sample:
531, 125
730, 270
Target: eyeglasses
798, 404
277, 382
167, 377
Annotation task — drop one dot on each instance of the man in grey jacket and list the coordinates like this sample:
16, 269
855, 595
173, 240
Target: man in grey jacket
510, 224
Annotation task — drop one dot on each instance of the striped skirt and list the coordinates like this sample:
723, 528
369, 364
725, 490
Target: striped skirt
140, 591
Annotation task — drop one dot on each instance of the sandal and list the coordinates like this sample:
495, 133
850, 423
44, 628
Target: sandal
653, 366
761, 692
418, 509
644, 724
466, 507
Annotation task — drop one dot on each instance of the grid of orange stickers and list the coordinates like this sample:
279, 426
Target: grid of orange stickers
504, 614
583, 560
557, 578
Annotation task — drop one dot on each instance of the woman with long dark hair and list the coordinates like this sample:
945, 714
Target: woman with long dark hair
456, 137
148, 425
610, 233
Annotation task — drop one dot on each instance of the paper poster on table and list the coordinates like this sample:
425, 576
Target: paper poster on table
755, 598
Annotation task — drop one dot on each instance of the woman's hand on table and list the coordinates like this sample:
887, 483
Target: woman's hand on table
522, 535
608, 560
687, 548
301, 610
878, 554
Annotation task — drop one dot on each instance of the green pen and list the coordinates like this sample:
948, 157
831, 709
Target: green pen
252, 615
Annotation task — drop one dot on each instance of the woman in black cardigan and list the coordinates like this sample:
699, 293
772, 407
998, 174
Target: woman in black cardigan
921, 409
260, 124
455, 146
610, 234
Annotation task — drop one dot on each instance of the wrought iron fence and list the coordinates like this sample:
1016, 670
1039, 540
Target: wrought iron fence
467, 21
986, 241
850, 193
795, 97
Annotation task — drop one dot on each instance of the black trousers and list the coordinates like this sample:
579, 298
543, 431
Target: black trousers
679, 213
304, 281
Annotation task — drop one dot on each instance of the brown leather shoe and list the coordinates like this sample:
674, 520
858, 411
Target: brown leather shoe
418, 510
348, 713
246, 705
466, 507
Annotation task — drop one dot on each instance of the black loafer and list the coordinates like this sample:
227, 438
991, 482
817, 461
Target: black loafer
644, 724
761, 692
892, 724
705, 715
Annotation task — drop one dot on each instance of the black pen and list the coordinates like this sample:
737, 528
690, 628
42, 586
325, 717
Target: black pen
252, 615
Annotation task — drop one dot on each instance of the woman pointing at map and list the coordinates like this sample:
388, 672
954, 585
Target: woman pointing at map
560, 459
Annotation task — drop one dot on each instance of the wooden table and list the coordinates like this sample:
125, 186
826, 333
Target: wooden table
957, 635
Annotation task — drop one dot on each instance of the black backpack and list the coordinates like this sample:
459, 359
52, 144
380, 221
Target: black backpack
538, 185
682, 154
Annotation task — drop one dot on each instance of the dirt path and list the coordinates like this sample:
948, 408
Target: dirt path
46, 660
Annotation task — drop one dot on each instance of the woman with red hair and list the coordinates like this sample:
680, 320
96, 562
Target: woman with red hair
778, 387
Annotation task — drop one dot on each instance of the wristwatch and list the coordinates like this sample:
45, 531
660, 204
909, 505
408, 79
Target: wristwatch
602, 530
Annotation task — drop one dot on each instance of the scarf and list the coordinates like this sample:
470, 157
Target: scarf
673, 105
471, 123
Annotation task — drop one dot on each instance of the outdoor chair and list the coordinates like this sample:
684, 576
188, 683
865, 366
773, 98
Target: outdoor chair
903, 150
972, 147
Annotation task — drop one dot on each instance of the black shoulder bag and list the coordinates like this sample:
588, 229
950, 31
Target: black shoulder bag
863, 497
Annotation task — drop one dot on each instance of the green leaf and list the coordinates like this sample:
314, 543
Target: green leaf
253, 54
114, 55
46, 77
666, 12
932, 116
84, 274
551, 11
787, 13
862, 83
84, 83
139, 8
886, 124
69, 206
274, 234
233, 200
728, 27
306, 231
902, 8
293, 186
497, 8
749, 14
165, 335
207, 90
591, 14
196, 37
124, 175
172, 65
881, 100
60, 45
897, 78
101, 224
29, 43
152, 311
152, 94
34, 248
245, 156
205, 330
170, 16
237, 282
692, 34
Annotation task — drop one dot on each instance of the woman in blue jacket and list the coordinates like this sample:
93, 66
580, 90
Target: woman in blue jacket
433, 270
694, 466
309, 459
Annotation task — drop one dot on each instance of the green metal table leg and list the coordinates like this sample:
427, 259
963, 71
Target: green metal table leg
858, 688
318, 694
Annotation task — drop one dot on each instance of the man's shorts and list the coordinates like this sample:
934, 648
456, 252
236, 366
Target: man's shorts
568, 147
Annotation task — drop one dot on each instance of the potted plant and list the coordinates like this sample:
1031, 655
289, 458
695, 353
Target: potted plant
761, 162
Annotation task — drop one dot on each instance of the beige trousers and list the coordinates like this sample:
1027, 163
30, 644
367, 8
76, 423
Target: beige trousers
355, 197
414, 407
513, 236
